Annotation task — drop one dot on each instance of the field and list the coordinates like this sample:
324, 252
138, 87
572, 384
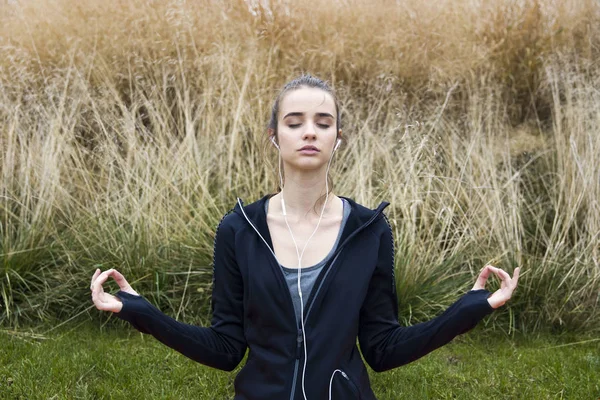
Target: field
128, 129
88, 361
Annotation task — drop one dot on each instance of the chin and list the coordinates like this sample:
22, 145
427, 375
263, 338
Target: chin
308, 165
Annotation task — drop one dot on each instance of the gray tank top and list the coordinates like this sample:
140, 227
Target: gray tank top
309, 274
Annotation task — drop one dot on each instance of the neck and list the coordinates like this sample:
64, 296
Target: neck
301, 191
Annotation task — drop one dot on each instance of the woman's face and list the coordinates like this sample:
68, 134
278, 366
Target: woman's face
307, 117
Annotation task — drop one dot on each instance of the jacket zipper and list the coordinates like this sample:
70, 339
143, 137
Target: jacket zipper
289, 296
299, 338
393, 255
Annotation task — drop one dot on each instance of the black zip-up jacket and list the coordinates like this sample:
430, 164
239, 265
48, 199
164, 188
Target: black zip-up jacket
354, 296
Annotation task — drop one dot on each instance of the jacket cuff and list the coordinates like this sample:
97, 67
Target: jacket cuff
477, 303
131, 305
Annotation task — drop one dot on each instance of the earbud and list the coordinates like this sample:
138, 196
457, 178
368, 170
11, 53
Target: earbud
337, 144
273, 140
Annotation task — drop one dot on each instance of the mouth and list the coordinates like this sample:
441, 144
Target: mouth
309, 148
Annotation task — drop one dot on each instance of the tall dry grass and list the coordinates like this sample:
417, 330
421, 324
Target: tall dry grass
128, 129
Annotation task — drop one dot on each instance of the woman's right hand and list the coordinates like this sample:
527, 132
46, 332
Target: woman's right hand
105, 301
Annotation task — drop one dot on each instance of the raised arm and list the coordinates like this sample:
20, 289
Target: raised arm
223, 344
386, 344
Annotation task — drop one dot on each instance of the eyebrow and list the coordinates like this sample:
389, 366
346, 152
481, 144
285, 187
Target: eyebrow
300, 114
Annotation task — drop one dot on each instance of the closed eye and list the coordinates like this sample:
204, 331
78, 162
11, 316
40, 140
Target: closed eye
324, 126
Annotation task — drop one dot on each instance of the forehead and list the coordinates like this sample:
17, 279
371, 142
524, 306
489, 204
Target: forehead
307, 100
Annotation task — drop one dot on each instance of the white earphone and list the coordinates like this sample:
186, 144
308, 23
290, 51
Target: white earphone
274, 142
337, 144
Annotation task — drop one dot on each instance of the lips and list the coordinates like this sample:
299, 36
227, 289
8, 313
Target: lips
309, 148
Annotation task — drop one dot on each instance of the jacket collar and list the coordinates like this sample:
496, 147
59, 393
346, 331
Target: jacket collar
359, 217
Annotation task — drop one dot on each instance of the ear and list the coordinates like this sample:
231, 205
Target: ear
270, 132
340, 134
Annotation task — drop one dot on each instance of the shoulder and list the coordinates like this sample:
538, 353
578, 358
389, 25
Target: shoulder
364, 212
381, 227
229, 223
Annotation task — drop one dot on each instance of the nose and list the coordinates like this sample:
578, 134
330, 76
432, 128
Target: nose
309, 132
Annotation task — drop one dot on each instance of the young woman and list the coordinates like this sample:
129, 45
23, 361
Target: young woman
299, 275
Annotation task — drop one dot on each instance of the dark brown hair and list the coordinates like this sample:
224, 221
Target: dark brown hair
308, 81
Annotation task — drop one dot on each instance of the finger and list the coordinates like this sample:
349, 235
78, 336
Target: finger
120, 279
96, 273
100, 302
97, 285
502, 274
505, 280
96, 299
107, 302
516, 274
483, 277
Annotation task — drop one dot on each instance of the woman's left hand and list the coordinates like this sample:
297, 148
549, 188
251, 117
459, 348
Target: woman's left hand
502, 295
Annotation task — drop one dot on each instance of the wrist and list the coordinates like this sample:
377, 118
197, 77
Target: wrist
494, 303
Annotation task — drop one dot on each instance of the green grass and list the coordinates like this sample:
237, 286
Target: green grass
90, 361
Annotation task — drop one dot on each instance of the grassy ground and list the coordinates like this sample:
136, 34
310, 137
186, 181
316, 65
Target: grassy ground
89, 361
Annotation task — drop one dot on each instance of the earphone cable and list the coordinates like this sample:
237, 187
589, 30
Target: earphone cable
300, 259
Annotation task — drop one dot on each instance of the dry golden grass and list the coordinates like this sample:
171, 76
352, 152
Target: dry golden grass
128, 129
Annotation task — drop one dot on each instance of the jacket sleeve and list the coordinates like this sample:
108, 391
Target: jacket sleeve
384, 343
223, 344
